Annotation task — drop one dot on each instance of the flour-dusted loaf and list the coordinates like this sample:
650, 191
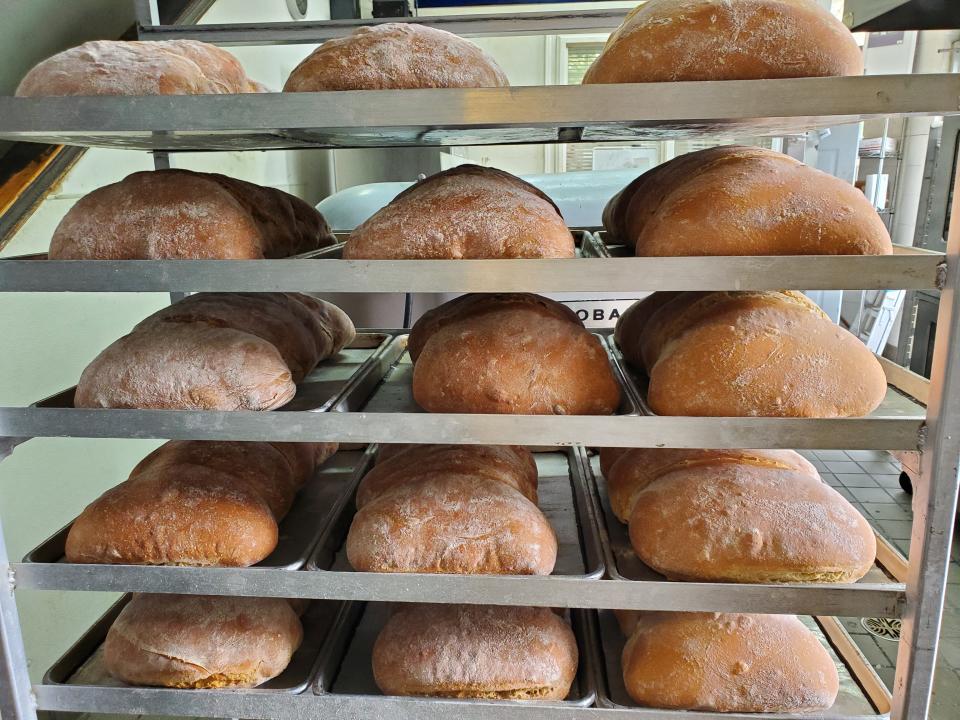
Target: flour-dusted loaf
124, 67
508, 464
676, 40
763, 353
629, 471
467, 212
736, 200
476, 651
720, 662
509, 353
396, 56
453, 522
217, 351
196, 503
201, 641
755, 519
174, 214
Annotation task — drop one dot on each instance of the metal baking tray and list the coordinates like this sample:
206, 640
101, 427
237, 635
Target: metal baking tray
862, 695
392, 390
564, 498
623, 564
895, 405
82, 665
346, 666
319, 391
313, 510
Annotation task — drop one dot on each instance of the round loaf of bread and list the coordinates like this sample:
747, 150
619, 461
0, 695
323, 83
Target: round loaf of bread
175, 214
508, 464
124, 67
635, 469
396, 56
675, 40
452, 523
511, 354
476, 651
749, 521
745, 201
467, 212
718, 662
201, 641
769, 354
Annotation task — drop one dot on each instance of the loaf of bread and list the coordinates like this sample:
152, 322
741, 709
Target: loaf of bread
197, 503
632, 470
719, 662
217, 351
467, 212
476, 651
676, 40
124, 67
201, 641
175, 214
754, 519
773, 354
452, 522
509, 353
396, 56
509, 464
744, 201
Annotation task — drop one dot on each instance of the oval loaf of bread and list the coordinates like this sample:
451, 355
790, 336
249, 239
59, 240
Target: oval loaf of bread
476, 651
396, 56
676, 40
720, 662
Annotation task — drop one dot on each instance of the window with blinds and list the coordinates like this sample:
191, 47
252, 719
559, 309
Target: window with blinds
637, 154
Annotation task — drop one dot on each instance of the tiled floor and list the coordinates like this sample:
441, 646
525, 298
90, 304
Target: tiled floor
871, 481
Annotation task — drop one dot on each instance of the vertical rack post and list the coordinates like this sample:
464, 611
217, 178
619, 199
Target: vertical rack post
16, 695
934, 501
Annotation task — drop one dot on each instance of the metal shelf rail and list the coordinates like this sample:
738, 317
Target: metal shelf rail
433, 117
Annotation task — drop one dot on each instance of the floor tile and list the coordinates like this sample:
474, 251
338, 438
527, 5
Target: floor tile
945, 701
869, 495
887, 674
832, 455
949, 652
886, 511
848, 466
901, 498
903, 546
895, 529
870, 647
869, 455
953, 574
856, 480
846, 493
887, 481
830, 479
884, 468
853, 626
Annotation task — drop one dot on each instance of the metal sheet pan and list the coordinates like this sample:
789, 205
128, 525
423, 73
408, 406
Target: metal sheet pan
395, 391
82, 665
861, 697
623, 564
319, 391
313, 510
564, 498
346, 669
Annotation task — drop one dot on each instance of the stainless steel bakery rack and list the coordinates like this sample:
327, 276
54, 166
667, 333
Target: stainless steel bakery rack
366, 408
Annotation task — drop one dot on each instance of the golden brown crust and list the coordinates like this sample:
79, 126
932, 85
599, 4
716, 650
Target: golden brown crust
515, 358
772, 354
395, 56
196, 503
508, 464
636, 468
745, 201
476, 651
679, 40
199, 641
172, 214
216, 351
757, 522
452, 523
466, 212
727, 663
121, 67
